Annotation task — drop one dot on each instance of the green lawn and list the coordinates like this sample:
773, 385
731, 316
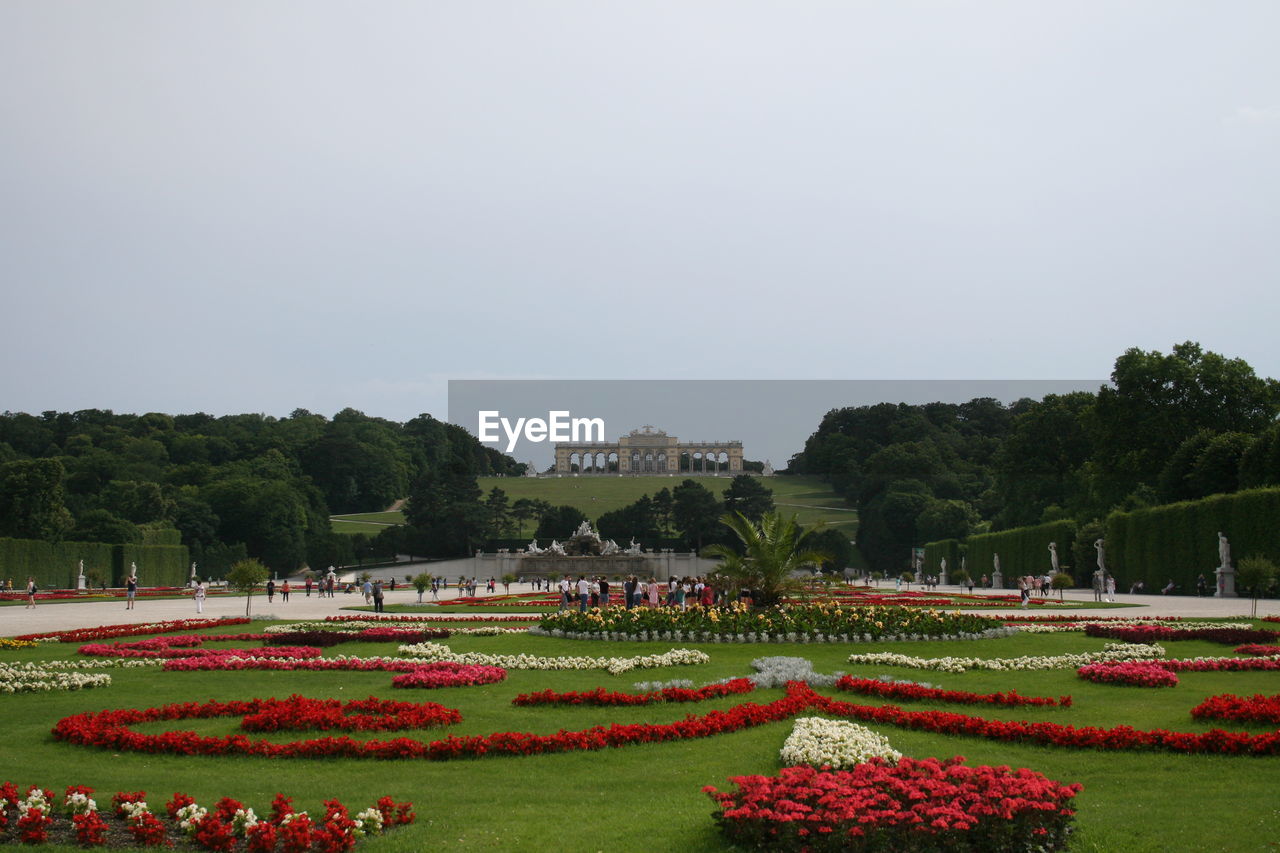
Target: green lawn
646, 798
808, 498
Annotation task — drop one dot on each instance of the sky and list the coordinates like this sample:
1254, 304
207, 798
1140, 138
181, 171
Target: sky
255, 206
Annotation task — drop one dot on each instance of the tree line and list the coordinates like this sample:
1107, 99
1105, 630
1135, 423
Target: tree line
237, 485
1169, 427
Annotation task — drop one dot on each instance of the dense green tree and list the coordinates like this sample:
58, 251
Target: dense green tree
945, 519
664, 508
139, 502
498, 517
638, 520
99, 525
1040, 461
1260, 465
560, 522
749, 497
1217, 468
446, 509
834, 543
887, 525
695, 513
31, 500
1174, 484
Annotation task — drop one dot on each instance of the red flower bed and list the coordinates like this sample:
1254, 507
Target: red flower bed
923, 805
1258, 651
110, 730
1154, 633
448, 674
1221, 665
297, 713
1254, 709
1129, 674
875, 687
110, 632
128, 650
602, 697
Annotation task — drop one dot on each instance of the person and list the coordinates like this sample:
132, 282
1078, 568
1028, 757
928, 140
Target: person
595, 592
1111, 588
1168, 589
1098, 583
31, 593
284, 591
681, 590
604, 591
377, 597
367, 589
435, 588
307, 586
200, 596
271, 590
984, 581
130, 592
1023, 591
584, 592
708, 597
628, 592
1201, 585
654, 591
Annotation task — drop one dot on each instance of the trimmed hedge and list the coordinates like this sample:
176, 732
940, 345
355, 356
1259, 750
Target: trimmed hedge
1022, 550
1179, 541
56, 565
934, 552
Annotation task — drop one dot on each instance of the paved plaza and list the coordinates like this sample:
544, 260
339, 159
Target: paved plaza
58, 616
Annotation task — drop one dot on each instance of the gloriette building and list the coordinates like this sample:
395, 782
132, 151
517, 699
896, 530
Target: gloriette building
649, 452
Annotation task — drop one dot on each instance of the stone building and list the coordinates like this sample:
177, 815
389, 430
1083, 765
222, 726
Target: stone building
649, 452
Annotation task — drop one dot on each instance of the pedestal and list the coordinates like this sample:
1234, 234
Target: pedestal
80, 583
942, 578
997, 580
1226, 586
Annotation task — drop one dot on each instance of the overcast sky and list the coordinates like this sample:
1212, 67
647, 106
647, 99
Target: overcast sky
257, 206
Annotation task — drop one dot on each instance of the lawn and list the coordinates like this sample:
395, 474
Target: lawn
808, 498
642, 798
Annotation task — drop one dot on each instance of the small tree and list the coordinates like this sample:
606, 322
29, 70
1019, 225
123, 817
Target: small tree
1256, 573
244, 576
908, 578
876, 577
507, 580
1062, 581
960, 577
421, 583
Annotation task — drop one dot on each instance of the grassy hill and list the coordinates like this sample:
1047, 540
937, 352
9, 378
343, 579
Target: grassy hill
808, 498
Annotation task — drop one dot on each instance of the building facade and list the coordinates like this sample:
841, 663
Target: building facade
649, 451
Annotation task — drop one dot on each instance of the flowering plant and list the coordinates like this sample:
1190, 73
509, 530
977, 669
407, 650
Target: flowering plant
601, 697
1128, 673
834, 743
1254, 709
925, 805
901, 690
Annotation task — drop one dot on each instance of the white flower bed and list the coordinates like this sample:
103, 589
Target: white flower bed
1064, 628
29, 678
1112, 652
836, 743
355, 626
615, 666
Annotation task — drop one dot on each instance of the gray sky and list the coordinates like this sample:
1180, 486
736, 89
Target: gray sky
256, 206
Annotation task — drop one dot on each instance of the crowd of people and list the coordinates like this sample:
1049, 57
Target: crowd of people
598, 591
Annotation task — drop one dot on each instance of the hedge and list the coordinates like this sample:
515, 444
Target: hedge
934, 552
1179, 541
56, 565
1022, 550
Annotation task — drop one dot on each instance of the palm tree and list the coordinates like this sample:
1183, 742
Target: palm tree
771, 550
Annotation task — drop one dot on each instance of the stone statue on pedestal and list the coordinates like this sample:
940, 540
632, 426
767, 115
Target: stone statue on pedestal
1053, 556
1100, 547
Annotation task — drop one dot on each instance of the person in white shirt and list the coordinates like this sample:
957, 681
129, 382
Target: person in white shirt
584, 592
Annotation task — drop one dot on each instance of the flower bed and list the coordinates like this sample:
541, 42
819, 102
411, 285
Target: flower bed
230, 826
1253, 709
1112, 651
6, 643
448, 674
799, 623
35, 678
298, 713
837, 744
601, 697
110, 632
615, 666
900, 690
1129, 674
185, 650
924, 805
1153, 633
1258, 651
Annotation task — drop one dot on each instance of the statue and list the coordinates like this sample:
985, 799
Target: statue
556, 548
80, 581
193, 571
1224, 551
995, 563
133, 570
635, 547
532, 548
1102, 555
1053, 556
584, 529
610, 548
530, 470
942, 565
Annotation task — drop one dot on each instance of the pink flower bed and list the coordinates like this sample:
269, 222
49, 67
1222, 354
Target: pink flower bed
1129, 674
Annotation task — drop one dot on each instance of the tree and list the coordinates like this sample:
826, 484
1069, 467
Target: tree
507, 580
445, 506
748, 497
31, 500
695, 513
638, 520
497, 512
771, 550
835, 542
560, 522
1217, 468
421, 582
945, 520
663, 507
136, 501
1255, 573
1039, 463
98, 525
244, 577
